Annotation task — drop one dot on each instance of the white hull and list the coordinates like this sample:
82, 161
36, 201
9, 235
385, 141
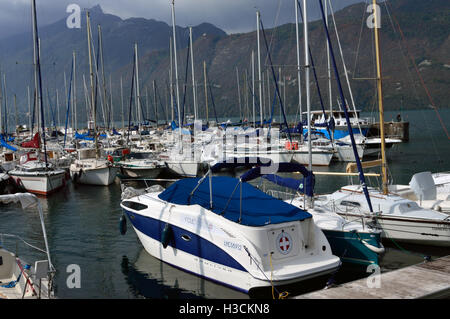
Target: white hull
345, 153
96, 176
40, 183
213, 247
399, 218
413, 230
234, 278
318, 158
184, 168
137, 172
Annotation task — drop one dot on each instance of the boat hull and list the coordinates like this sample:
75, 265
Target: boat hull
412, 230
138, 172
184, 168
99, 176
195, 254
348, 246
318, 158
41, 184
345, 153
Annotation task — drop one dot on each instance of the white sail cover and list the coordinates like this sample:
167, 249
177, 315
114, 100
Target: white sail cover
26, 199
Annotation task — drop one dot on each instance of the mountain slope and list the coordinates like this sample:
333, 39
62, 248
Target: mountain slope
424, 25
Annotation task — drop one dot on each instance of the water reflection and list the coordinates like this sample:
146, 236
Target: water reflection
149, 277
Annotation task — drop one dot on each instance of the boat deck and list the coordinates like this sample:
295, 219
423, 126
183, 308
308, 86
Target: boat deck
426, 280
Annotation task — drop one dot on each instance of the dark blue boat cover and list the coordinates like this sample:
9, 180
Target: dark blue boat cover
305, 185
241, 162
258, 208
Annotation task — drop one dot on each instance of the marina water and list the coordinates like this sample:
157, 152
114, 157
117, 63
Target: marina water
87, 248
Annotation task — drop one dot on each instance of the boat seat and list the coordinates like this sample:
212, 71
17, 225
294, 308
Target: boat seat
7, 260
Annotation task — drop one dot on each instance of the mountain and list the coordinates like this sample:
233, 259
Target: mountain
424, 36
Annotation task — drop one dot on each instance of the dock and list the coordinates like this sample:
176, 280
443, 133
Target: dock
426, 280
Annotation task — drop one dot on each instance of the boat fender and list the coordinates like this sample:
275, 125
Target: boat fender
378, 250
166, 235
123, 225
20, 184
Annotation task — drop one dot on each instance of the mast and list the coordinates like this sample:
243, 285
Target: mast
74, 89
91, 72
239, 94
259, 69
298, 62
138, 93
193, 75
171, 80
29, 107
121, 99
1, 104
380, 99
308, 97
36, 97
206, 92
154, 102
330, 98
38, 71
253, 86
176, 69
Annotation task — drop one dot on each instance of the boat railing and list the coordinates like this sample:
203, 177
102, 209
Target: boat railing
37, 274
346, 214
280, 194
18, 239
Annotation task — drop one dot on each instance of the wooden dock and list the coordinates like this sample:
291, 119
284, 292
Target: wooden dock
426, 280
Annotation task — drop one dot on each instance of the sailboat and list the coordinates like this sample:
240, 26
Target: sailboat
89, 168
400, 219
183, 159
34, 175
18, 279
355, 242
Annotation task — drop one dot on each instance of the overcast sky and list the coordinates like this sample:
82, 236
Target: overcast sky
232, 16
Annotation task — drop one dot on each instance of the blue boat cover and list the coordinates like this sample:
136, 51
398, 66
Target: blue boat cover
4, 144
258, 208
236, 162
305, 185
84, 136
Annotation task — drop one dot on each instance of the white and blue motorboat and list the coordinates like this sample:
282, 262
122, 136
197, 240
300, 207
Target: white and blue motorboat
224, 229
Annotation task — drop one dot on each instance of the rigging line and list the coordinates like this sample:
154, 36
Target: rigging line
359, 39
420, 76
274, 30
405, 60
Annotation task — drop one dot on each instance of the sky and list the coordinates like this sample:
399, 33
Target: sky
232, 16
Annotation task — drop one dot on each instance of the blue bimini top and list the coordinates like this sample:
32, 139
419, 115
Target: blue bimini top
258, 208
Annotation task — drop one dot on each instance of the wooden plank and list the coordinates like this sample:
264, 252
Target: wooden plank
426, 280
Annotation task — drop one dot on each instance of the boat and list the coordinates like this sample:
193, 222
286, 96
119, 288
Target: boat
38, 177
400, 219
18, 279
90, 170
351, 239
360, 125
227, 231
423, 190
140, 164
